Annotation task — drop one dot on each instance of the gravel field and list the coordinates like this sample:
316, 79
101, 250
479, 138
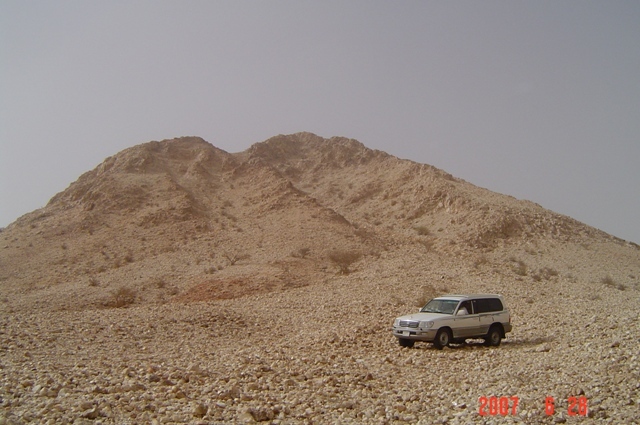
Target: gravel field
313, 355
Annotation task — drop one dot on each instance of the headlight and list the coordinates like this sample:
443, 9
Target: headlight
426, 325
396, 323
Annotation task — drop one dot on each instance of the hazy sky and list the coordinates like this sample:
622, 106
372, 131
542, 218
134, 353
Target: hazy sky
536, 99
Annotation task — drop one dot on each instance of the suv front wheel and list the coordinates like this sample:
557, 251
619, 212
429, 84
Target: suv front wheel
406, 342
443, 337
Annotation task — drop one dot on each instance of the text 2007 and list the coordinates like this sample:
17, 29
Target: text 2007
498, 406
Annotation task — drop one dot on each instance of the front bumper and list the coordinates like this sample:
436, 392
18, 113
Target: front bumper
427, 335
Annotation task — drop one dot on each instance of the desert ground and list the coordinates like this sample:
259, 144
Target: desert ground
177, 283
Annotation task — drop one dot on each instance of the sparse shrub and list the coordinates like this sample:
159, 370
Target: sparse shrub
229, 216
544, 273
608, 281
344, 260
427, 243
122, 297
160, 283
93, 281
427, 294
129, 257
364, 234
422, 230
366, 192
480, 261
520, 268
234, 257
301, 253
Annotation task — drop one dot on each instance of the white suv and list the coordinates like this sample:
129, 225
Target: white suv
455, 318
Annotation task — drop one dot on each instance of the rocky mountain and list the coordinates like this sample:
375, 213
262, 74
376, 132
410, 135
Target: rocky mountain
301, 250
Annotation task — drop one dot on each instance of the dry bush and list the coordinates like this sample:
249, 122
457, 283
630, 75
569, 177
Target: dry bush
365, 234
366, 192
608, 281
520, 267
480, 261
427, 294
301, 253
122, 297
234, 257
422, 230
427, 243
129, 257
544, 273
159, 283
344, 260
548, 272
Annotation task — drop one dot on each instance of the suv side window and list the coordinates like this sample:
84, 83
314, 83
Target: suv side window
468, 306
487, 305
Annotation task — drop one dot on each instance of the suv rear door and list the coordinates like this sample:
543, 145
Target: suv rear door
488, 310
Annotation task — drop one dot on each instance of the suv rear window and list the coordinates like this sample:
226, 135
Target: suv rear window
486, 305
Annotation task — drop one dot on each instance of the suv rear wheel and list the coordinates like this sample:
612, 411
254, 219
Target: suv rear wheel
443, 337
494, 337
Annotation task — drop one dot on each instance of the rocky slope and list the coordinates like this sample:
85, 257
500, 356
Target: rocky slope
178, 283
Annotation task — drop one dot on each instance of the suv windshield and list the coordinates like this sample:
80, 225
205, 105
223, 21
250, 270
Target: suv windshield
440, 306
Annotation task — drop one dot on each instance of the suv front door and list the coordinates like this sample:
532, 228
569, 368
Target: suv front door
465, 325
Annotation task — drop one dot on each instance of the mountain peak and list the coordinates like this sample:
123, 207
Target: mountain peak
182, 210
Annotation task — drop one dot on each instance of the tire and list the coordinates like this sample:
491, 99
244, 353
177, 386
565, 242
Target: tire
494, 337
406, 342
443, 338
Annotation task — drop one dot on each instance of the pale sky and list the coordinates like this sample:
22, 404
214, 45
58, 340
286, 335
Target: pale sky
535, 99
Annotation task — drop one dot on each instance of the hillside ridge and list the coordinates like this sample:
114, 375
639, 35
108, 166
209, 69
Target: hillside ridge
168, 215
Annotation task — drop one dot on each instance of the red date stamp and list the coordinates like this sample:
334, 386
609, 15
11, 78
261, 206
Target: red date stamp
493, 406
504, 406
577, 406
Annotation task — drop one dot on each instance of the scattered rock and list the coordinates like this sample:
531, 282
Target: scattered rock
200, 410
